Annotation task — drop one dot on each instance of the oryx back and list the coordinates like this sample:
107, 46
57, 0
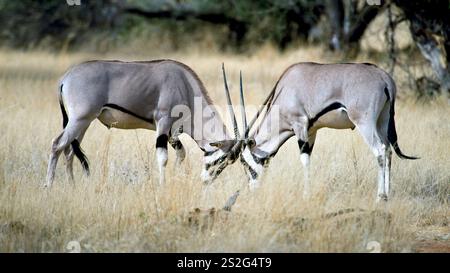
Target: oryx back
328, 94
127, 95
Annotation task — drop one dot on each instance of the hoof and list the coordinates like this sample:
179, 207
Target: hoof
382, 197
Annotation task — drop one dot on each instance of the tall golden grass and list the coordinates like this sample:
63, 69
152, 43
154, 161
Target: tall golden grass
122, 208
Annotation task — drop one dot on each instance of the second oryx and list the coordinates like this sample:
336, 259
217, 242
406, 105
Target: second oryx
310, 96
131, 95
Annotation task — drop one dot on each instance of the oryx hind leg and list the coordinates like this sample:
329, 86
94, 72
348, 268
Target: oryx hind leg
69, 154
382, 130
72, 132
380, 149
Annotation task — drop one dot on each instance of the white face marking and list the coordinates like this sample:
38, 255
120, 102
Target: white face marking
304, 158
258, 168
205, 176
254, 184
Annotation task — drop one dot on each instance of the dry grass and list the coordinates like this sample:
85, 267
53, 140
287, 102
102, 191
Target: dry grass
121, 208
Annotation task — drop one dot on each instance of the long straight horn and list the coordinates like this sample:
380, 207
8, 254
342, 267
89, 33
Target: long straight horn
243, 113
270, 97
230, 105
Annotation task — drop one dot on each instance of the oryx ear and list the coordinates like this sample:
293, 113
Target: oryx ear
250, 142
217, 144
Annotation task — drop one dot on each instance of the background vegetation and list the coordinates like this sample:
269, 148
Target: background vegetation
239, 26
122, 208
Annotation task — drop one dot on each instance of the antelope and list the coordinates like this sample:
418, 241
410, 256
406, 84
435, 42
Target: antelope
311, 96
147, 95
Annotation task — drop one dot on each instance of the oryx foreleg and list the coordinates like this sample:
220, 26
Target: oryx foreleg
305, 144
162, 137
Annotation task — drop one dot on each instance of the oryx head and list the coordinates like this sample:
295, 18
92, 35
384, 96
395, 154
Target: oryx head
226, 152
253, 164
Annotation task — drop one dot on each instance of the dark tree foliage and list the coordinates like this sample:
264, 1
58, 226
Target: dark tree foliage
248, 21
30, 23
26, 23
349, 20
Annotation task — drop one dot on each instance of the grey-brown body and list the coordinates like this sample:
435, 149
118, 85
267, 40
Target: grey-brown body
131, 95
310, 96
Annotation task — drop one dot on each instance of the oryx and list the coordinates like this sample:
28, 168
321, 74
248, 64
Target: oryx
131, 95
310, 96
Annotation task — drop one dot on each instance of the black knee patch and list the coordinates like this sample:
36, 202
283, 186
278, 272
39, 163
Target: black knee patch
161, 141
305, 148
380, 160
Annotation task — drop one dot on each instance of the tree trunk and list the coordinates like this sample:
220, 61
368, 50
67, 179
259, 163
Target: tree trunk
428, 20
349, 24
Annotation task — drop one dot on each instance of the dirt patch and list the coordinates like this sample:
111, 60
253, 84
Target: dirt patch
433, 239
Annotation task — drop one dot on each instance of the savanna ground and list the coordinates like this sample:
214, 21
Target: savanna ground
122, 208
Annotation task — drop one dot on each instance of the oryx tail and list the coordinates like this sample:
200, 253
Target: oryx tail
392, 132
75, 144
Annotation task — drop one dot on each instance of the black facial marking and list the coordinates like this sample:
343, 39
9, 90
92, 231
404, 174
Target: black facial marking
218, 171
331, 107
261, 160
215, 162
176, 144
120, 108
161, 141
250, 170
304, 147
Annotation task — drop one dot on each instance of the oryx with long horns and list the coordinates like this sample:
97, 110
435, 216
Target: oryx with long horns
150, 95
310, 96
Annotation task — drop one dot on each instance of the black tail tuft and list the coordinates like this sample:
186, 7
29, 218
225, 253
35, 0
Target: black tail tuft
80, 155
392, 135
